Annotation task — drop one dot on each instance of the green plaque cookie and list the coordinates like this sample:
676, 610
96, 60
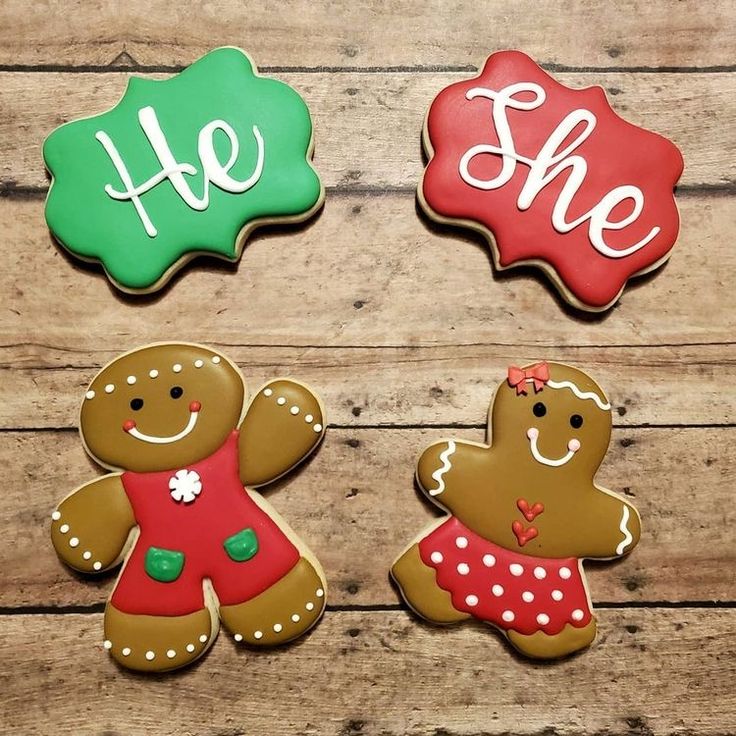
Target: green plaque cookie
178, 167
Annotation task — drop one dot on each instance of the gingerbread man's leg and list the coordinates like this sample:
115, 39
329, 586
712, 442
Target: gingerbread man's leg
543, 646
419, 587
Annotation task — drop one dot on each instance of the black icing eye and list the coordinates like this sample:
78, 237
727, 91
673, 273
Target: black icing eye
576, 421
539, 409
136, 404
176, 392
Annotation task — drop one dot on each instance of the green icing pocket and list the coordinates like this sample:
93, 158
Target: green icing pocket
164, 565
241, 546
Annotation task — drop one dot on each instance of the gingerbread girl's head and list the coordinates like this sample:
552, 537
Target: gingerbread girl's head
160, 407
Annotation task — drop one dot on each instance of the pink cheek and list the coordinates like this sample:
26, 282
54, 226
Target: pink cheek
573, 445
195, 406
128, 424
532, 433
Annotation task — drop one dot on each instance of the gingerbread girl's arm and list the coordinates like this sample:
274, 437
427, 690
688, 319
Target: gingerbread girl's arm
90, 527
282, 426
448, 471
614, 527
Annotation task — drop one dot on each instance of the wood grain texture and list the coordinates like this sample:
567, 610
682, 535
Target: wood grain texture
359, 673
366, 34
355, 505
368, 126
368, 271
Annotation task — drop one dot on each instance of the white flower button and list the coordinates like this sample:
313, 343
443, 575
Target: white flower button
185, 485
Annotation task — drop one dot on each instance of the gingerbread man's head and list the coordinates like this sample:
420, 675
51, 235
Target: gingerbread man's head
160, 407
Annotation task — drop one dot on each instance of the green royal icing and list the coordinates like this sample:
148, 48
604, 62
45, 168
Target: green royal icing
164, 565
241, 546
235, 147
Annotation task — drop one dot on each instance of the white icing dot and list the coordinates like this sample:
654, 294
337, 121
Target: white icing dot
131, 380
87, 555
471, 600
56, 515
497, 590
238, 637
308, 418
90, 394
171, 654
294, 410
176, 368
557, 595
461, 542
565, 573
216, 359
281, 401
64, 528
527, 596
150, 655
97, 566
295, 617
577, 615
489, 560
257, 634
540, 573
542, 619
74, 542
508, 616
277, 628
153, 373
516, 569
107, 644
317, 427
436, 557
319, 592
203, 638
109, 388
309, 606
198, 364
463, 568
190, 648
126, 652
268, 392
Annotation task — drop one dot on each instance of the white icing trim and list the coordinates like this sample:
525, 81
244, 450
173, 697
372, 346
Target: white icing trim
533, 434
134, 432
605, 406
446, 465
623, 527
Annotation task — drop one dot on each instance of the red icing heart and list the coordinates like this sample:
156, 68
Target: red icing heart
523, 535
529, 513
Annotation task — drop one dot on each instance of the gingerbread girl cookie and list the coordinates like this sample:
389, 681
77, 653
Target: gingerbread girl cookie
199, 545
524, 512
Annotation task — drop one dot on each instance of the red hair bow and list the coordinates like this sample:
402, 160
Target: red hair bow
538, 374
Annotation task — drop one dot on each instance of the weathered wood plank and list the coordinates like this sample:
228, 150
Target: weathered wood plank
382, 673
354, 504
360, 34
678, 385
368, 271
367, 126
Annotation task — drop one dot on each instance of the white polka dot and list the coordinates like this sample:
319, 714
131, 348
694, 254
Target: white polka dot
74, 542
489, 560
527, 596
471, 600
107, 644
171, 654
258, 635
540, 573
317, 427
238, 637
557, 595
90, 394
126, 652
277, 628
87, 555
150, 655
216, 359
64, 528
436, 557
97, 566
565, 573
294, 410
268, 392
109, 388
516, 569
198, 364
281, 401
461, 542
176, 368
153, 373
131, 380
190, 648
542, 619
497, 590
320, 592
463, 568
577, 615
308, 418
295, 617
309, 606
508, 616
56, 515
203, 638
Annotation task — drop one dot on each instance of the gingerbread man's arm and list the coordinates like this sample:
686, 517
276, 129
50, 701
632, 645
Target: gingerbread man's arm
90, 527
282, 426
614, 527
448, 471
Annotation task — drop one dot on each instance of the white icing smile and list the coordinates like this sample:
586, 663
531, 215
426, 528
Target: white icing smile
572, 447
154, 440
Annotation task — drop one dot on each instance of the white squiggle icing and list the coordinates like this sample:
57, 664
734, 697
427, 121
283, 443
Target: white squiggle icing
446, 465
623, 527
580, 394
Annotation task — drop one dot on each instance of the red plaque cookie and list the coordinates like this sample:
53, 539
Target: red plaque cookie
553, 177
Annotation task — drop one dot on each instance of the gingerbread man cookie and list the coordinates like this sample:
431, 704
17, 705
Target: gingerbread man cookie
199, 545
524, 512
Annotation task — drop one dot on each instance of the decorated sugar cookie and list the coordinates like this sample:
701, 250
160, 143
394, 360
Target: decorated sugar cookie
524, 511
553, 177
199, 544
180, 167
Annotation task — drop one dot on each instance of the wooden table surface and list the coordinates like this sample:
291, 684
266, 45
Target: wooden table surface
404, 330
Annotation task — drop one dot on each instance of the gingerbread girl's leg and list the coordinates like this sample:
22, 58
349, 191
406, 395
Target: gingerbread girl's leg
419, 587
543, 646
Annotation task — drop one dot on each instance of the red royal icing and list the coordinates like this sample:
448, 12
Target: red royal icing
530, 512
523, 535
513, 149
